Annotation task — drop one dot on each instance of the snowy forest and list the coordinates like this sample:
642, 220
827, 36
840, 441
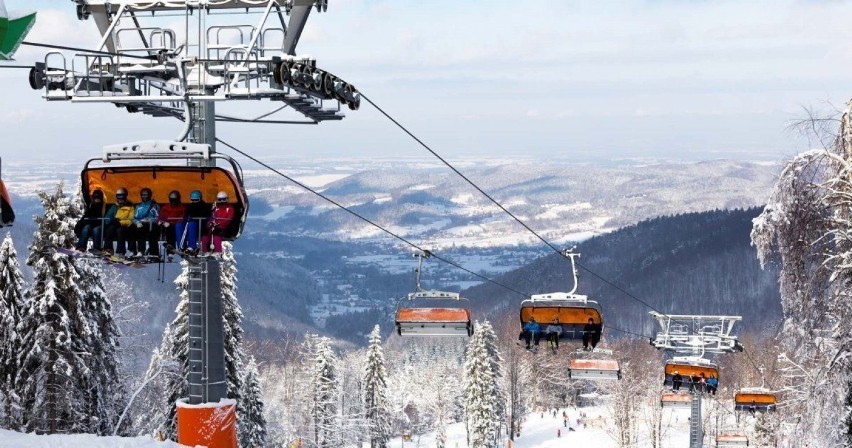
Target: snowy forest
69, 341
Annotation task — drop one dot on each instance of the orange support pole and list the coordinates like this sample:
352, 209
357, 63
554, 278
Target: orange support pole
213, 425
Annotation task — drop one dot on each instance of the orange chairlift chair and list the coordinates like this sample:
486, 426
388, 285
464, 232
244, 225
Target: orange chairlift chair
572, 312
162, 179
432, 313
755, 399
731, 440
688, 367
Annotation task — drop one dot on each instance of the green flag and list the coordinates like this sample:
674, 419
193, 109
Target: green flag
13, 29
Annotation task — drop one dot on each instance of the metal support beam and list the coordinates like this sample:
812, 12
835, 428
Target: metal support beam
696, 434
207, 381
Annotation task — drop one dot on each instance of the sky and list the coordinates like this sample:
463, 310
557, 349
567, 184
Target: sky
564, 79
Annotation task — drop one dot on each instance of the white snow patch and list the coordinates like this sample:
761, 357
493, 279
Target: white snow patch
421, 187
514, 202
277, 212
462, 198
321, 180
11, 439
539, 430
554, 211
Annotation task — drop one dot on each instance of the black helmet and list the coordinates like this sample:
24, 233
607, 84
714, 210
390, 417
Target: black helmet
174, 197
145, 191
98, 194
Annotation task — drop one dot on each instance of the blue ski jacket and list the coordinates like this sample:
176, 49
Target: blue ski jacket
146, 211
532, 327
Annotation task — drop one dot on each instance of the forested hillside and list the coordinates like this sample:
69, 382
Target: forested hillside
694, 263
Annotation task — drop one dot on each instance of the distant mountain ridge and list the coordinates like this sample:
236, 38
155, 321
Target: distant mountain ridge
693, 263
562, 202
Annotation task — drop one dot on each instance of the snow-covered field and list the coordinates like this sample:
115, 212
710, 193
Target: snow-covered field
540, 431
11, 439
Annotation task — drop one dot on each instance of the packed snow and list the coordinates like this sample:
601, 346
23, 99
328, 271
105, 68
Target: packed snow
11, 439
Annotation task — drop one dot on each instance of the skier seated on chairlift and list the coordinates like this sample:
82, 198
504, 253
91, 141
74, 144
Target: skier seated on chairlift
145, 220
117, 225
531, 331
677, 381
696, 384
591, 335
91, 224
712, 385
552, 333
186, 231
170, 216
220, 219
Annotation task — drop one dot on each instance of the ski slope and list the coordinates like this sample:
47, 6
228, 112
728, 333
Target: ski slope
595, 430
537, 431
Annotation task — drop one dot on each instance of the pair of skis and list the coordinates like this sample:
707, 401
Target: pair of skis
109, 258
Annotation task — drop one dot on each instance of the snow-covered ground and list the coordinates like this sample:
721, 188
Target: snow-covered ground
594, 431
11, 439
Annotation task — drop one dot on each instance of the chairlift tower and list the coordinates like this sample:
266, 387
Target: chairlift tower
178, 59
694, 336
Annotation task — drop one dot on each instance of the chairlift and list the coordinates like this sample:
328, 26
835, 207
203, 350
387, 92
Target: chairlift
755, 399
675, 401
162, 179
572, 312
594, 369
689, 367
417, 315
710, 329
679, 329
731, 440
569, 310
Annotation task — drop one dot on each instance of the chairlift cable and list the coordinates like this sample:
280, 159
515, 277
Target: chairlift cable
491, 198
609, 327
368, 221
762, 374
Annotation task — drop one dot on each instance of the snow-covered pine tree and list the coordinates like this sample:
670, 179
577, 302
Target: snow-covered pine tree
11, 304
174, 348
105, 391
54, 378
480, 393
807, 225
489, 338
252, 422
324, 385
232, 320
376, 410
160, 417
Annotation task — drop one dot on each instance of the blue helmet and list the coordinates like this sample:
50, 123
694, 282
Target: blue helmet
195, 195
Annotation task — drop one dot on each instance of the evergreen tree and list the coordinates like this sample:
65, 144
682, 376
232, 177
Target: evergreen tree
173, 356
252, 422
480, 391
54, 378
376, 410
11, 304
232, 318
325, 390
105, 391
174, 349
489, 338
